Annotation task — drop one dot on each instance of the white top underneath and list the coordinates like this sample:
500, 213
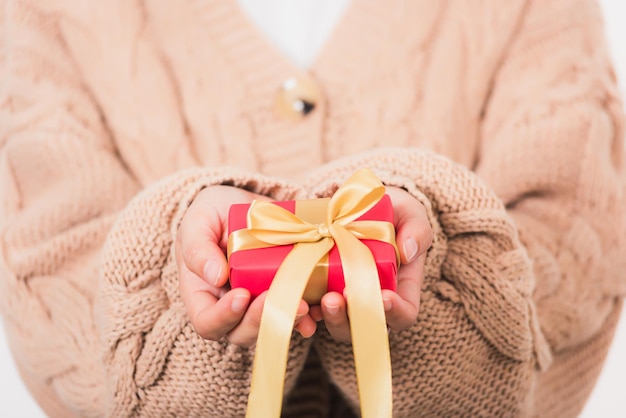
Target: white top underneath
298, 28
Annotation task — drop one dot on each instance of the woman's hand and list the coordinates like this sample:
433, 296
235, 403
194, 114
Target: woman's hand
414, 237
216, 311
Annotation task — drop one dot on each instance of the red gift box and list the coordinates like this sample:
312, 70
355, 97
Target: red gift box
254, 269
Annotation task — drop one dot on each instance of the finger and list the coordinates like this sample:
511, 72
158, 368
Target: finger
402, 306
189, 283
246, 332
211, 317
198, 242
316, 312
414, 234
306, 326
335, 316
304, 323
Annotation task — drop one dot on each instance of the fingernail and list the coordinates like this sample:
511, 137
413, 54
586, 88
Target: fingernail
387, 304
332, 309
212, 271
410, 249
239, 303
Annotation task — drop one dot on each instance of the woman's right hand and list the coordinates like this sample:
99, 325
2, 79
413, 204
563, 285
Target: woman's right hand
215, 310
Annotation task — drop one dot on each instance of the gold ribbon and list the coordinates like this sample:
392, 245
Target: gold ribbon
270, 225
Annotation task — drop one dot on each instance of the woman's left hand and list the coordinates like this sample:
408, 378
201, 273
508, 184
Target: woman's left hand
414, 237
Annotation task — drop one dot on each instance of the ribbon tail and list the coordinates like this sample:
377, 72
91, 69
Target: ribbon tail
277, 319
368, 325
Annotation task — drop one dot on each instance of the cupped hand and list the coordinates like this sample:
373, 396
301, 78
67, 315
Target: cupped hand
414, 237
215, 310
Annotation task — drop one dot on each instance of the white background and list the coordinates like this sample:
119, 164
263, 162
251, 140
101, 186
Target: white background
609, 397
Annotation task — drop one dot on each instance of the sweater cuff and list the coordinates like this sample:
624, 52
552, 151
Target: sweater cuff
195, 180
150, 346
476, 258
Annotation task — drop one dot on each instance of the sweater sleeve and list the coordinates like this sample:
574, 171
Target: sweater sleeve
531, 241
87, 270
553, 151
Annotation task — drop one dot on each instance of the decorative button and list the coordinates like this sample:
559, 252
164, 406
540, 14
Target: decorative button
298, 97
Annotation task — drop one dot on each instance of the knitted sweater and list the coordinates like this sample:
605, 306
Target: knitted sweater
502, 118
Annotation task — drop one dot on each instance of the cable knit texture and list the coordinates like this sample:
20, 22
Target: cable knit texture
502, 118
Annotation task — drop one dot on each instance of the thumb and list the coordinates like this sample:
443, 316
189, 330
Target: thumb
198, 244
414, 234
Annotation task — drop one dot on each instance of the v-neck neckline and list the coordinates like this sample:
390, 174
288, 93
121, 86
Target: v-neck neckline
256, 57
297, 28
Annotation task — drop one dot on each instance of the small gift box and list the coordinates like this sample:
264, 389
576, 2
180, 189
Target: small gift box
307, 248
255, 268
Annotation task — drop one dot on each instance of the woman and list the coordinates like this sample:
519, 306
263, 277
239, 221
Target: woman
130, 126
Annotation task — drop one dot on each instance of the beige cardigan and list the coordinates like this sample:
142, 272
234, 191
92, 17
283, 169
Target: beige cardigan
503, 118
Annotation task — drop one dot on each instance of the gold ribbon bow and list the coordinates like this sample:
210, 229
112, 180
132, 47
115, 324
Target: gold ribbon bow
268, 225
